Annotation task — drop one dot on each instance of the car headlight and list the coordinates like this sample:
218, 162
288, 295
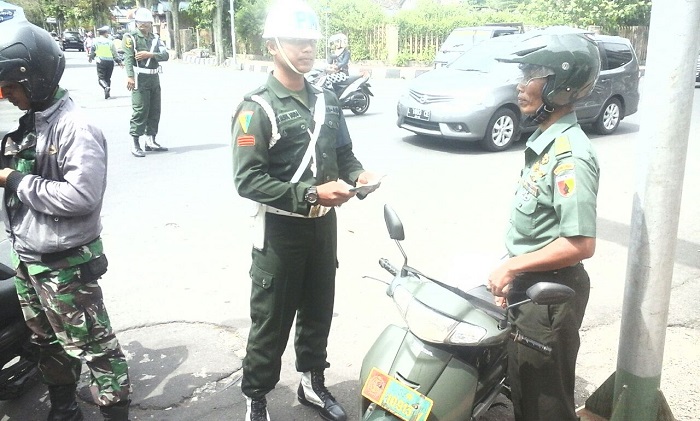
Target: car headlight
431, 326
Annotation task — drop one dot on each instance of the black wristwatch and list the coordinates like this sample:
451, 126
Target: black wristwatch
311, 195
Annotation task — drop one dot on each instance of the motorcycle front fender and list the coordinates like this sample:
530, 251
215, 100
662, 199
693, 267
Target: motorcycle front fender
365, 89
448, 381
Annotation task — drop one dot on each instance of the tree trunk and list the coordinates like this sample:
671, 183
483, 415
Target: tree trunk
175, 12
219, 44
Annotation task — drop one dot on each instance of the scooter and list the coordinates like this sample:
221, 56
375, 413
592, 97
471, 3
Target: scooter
450, 362
353, 92
18, 356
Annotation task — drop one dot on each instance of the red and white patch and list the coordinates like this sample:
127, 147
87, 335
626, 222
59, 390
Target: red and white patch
246, 140
566, 183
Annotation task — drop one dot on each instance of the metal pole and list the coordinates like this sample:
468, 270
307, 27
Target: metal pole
667, 102
233, 36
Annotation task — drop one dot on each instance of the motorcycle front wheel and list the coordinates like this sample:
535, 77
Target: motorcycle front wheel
363, 99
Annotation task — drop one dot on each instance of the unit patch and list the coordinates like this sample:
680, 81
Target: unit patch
244, 118
566, 183
127, 42
289, 115
246, 140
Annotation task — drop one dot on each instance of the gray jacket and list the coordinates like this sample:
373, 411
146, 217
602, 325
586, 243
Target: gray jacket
62, 200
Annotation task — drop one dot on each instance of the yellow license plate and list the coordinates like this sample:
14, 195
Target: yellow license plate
396, 397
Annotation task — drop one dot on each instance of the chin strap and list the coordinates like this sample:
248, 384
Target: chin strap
286, 59
542, 114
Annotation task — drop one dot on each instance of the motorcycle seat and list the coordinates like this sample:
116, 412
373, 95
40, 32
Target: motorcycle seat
9, 303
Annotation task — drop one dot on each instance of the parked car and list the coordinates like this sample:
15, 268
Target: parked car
462, 39
72, 40
475, 98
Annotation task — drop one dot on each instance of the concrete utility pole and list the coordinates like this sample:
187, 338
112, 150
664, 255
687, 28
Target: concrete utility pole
633, 392
233, 36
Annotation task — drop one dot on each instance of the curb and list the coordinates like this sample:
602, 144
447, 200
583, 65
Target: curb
377, 72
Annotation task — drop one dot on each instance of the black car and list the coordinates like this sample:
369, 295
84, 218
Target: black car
72, 40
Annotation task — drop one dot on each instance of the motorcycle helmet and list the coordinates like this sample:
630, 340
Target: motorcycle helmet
338, 41
143, 15
568, 57
30, 57
292, 19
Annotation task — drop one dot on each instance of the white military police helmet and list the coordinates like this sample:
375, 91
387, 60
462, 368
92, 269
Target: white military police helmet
143, 15
292, 19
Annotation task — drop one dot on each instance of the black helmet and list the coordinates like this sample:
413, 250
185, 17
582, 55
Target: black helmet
31, 57
568, 55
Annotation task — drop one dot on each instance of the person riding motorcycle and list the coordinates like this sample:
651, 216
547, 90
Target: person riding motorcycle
338, 60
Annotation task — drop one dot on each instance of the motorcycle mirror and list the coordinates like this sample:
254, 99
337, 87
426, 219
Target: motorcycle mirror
393, 224
549, 293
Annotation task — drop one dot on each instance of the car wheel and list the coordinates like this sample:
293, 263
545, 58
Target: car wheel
502, 130
609, 118
362, 108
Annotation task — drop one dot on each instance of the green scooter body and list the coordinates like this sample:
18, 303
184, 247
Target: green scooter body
456, 378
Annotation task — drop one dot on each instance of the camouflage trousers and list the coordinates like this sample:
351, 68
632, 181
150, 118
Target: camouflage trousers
70, 323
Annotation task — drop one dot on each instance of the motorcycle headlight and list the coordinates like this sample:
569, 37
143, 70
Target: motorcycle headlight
431, 326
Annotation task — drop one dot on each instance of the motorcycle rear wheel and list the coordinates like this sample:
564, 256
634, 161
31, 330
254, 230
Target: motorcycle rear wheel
362, 108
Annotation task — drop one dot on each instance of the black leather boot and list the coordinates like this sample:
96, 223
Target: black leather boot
313, 392
117, 412
63, 404
136, 149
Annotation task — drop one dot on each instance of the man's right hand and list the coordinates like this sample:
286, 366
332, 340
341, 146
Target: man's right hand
334, 193
130, 83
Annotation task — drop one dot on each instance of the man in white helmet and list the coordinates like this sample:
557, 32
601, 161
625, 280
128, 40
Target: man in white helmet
292, 156
143, 52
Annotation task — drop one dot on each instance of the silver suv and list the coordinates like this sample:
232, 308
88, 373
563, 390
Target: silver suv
474, 98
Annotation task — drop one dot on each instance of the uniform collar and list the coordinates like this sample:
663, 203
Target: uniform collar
281, 91
540, 140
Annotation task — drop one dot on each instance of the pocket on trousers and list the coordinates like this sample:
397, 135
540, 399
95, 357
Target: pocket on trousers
260, 277
93, 270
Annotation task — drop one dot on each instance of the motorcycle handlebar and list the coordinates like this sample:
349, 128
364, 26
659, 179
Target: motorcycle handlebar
531, 343
384, 263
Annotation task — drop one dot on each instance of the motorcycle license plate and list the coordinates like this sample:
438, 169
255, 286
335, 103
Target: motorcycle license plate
418, 113
395, 397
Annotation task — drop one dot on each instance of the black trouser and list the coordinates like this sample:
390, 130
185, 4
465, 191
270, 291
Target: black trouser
104, 73
294, 275
543, 387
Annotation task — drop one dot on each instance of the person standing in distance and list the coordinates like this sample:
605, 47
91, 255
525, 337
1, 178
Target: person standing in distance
292, 156
143, 51
105, 54
54, 172
553, 221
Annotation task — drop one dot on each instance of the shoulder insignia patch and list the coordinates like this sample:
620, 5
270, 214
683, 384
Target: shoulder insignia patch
562, 145
244, 118
127, 42
566, 183
563, 167
245, 140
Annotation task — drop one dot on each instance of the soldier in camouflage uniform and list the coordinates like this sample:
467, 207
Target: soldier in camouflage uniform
54, 172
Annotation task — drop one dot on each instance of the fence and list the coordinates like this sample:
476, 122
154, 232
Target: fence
423, 47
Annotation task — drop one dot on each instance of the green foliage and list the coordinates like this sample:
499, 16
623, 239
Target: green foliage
249, 22
583, 13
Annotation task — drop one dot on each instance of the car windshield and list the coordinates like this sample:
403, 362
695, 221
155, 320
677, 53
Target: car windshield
465, 38
482, 57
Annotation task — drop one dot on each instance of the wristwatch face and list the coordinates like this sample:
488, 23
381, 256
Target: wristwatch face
311, 195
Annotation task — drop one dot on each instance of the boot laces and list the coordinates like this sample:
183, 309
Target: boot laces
258, 409
318, 383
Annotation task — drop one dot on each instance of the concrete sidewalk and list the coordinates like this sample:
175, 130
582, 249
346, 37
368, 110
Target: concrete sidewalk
377, 71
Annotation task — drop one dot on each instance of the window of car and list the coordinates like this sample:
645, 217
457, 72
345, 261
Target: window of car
617, 54
483, 57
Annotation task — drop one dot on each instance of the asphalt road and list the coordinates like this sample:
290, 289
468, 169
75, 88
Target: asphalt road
177, 288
